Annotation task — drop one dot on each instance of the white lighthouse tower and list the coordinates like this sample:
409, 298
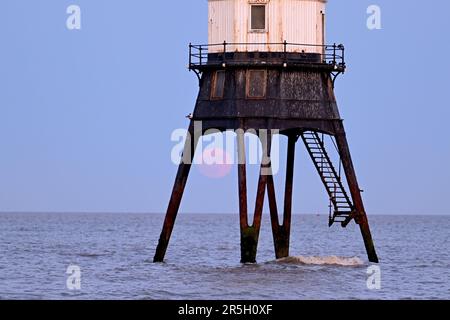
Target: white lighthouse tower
266, 67
268, 22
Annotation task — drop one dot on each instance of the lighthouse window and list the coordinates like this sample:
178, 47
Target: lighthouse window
218, 85
256, 84
258, 17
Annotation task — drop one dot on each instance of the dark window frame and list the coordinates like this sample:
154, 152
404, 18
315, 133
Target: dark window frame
215, 96
248, 84
253, 26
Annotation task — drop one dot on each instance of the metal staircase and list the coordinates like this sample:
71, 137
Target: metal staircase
341, 206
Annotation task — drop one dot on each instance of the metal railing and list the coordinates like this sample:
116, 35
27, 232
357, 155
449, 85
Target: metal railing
199, 55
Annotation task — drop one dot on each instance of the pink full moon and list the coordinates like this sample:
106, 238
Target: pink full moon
215, 163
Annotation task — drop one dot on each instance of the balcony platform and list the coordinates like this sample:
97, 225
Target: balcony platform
291, 56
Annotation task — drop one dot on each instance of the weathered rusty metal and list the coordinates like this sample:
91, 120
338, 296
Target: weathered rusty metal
298, 97
281, 232
250, 234
341, 207
361, 216
177, 192
329, 57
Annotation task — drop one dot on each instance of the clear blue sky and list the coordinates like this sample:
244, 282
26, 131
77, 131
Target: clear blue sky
86, 116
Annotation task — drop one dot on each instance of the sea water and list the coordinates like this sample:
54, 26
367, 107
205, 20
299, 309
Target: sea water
113, 254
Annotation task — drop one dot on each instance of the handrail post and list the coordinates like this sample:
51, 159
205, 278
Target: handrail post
190, 56
324, 53
334, 54
224, 51
285, 51
200, 49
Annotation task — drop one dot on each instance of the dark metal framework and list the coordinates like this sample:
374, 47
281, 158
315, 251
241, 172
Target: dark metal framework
331, 55
331, 58
299, 103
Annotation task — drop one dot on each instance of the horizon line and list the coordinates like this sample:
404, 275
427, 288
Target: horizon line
205, 213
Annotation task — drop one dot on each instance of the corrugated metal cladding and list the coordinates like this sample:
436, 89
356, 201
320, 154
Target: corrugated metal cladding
296, 21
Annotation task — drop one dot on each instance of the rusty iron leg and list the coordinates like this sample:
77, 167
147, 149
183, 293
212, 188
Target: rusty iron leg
177, 193
282, 233
361, 216
250, 234
284, 247
249, 241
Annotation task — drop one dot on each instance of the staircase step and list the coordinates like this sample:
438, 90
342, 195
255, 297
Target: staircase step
336, 198
343, 209
342, 213
338, 192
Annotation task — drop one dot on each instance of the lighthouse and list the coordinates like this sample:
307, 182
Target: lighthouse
267, 67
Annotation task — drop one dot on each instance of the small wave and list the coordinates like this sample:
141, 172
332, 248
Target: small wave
333, 260
89, 255
94, 255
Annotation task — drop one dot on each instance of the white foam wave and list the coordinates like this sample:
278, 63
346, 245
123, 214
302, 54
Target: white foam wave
332, 260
